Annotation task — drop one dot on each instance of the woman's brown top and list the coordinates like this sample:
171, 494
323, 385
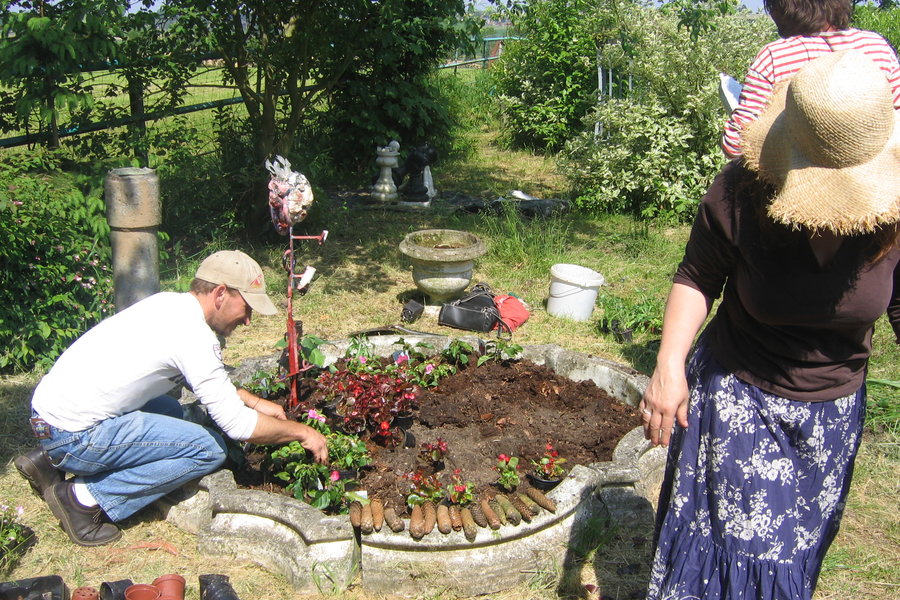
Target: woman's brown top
786, 324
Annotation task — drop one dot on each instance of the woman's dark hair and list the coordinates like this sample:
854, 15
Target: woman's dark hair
883, 241
808, 17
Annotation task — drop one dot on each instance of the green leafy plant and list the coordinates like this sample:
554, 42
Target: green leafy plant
320, 485
347, 451
14, 537
550, 465
545, 83
498, 350
265, 384
644, 314
508, 469
458, 352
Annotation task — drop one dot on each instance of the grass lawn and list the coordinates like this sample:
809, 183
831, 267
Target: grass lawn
362, 283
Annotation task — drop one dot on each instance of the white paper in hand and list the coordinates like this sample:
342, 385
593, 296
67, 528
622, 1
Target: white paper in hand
729, 91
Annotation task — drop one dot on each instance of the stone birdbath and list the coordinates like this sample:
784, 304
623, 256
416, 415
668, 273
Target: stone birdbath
442, 261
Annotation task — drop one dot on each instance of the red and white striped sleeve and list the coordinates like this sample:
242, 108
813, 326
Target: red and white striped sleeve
754, 97
780, 60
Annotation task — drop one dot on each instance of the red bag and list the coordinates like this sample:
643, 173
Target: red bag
512, 312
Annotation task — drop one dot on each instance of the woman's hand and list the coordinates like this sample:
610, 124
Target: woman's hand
666, 397
665, 401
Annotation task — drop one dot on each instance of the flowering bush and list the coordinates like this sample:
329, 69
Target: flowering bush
549, 466
460, 492
56, 280
13, 536
508, 467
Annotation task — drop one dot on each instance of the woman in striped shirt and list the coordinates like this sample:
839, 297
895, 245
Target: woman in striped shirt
808, 29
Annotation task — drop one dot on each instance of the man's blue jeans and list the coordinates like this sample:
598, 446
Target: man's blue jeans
130, 461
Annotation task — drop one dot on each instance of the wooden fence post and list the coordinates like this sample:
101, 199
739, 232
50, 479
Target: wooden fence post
138, 128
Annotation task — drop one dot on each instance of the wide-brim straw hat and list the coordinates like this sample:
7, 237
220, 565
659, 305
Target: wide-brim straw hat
829, 141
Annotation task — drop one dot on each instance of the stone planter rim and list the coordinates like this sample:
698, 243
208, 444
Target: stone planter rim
617, 486
415, 250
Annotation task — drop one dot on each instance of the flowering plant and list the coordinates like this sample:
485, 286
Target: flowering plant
368, 399
508, 467
460, 492
13, 536
433, 452
549, 466
423, 488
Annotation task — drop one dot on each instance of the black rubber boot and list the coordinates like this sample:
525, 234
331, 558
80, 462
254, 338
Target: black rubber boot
36, 468
84, 525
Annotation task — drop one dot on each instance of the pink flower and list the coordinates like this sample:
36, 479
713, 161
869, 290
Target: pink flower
313, 415
401, 358
429, 368
362, 360
503, 457
335, 475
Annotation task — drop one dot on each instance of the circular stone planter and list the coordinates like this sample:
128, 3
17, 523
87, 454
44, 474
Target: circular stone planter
442, 260
311, 549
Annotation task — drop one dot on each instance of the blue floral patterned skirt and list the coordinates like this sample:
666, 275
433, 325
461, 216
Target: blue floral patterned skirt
754, 490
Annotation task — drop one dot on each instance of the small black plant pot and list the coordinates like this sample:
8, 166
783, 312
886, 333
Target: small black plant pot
114, 590
403, 422
345, 474
620, 334
541, 483
216, 587
49, 587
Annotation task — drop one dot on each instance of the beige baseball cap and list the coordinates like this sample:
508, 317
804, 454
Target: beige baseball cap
240, 272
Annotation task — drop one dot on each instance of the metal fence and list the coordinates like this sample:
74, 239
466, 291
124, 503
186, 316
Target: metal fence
205, 91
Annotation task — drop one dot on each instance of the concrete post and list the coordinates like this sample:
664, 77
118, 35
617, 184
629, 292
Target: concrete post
134, 213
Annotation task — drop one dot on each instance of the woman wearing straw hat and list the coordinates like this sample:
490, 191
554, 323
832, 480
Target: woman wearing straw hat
800, 240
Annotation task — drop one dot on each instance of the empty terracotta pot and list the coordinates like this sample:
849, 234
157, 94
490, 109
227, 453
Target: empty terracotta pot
85, 593
142, 591
171, 586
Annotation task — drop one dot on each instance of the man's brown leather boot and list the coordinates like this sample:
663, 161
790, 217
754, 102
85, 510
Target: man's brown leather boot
84, 525
36, 468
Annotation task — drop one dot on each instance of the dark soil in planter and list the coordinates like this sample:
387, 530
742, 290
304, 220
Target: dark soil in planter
514, 408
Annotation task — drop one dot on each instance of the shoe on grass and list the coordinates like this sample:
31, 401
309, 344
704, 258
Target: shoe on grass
38, 471
84, 525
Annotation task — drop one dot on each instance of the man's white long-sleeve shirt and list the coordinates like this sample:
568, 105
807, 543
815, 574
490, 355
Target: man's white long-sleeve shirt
135, 356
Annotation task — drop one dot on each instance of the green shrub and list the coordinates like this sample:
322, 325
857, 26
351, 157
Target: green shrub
56, 281
546, 81
642, 166
654, 153
884, 21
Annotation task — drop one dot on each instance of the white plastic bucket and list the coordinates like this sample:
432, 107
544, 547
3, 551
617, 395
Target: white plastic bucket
573, 291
